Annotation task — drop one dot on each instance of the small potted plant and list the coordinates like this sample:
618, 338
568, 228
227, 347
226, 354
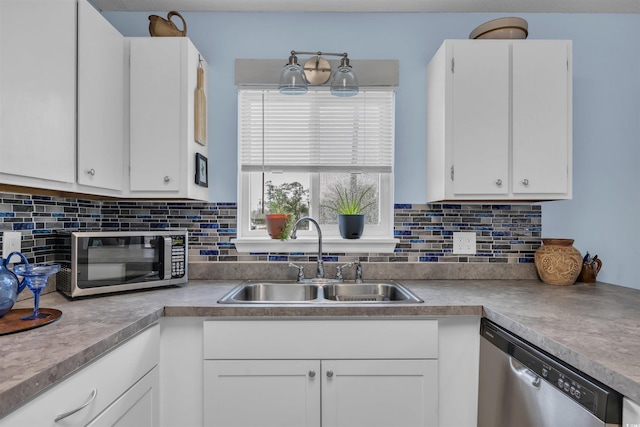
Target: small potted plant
350, 206
285, 204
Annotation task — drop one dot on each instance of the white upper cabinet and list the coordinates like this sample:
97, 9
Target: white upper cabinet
62, 97
163, 82
37, 91
499, 120
101, 101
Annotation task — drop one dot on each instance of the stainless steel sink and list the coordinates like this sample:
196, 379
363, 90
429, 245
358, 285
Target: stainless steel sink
271, 292
370, 292
319, 292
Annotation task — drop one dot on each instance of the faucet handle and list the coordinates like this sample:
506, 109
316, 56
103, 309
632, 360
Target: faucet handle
358, 271
300, 271
339, 270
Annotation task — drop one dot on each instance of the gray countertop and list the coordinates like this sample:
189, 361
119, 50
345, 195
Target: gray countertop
595, 328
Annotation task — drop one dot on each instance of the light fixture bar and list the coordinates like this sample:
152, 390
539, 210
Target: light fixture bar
317, 71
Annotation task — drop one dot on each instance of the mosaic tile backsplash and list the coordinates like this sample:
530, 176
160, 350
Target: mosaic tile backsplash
504, 233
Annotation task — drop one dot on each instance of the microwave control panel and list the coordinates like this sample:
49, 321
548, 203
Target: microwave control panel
178, 256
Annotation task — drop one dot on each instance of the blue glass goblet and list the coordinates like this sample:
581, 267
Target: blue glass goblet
36, 277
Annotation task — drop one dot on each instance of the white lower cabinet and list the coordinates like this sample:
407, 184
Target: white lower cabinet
346, 373
630, 413
118, 389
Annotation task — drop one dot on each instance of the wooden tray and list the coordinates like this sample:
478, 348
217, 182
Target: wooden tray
11, 322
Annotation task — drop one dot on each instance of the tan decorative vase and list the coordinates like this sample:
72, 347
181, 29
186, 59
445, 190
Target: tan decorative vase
558, 262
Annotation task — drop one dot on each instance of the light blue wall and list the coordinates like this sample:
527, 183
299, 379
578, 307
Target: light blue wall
604, 215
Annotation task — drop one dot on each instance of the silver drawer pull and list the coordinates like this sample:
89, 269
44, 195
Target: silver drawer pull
329, 374
93, 396
91, 171
312, 374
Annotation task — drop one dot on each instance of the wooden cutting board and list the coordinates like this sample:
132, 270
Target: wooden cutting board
10, 322
200, 109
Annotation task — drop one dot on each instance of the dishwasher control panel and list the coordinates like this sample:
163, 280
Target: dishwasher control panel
572, 387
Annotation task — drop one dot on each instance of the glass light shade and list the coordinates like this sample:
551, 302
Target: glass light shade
344, 82
292, 81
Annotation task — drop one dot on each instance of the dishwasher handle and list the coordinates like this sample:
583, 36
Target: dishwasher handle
523, 372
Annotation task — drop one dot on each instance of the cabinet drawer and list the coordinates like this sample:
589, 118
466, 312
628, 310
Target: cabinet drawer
320, 339
110, 376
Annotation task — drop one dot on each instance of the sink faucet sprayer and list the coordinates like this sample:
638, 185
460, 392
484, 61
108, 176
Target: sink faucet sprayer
320, 273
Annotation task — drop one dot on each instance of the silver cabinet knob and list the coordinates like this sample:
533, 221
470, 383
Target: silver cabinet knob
498, 182
167, 178
312, 374
329, 374
525, 182
91, 172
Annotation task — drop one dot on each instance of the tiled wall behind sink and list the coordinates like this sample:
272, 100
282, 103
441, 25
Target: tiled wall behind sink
504, 233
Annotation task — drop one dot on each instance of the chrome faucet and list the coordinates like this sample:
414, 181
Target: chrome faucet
320, 273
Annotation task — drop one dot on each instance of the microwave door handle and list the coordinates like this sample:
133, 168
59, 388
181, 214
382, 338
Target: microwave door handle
166, 257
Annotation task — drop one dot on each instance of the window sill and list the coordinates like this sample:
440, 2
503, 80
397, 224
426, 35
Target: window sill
310, 245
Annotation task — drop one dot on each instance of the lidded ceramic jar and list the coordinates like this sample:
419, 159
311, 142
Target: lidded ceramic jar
558, 262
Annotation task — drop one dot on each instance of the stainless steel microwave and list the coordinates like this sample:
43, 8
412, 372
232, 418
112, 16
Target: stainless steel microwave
115, 261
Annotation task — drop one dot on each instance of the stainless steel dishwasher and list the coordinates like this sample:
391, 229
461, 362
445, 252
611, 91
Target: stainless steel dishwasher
522, 386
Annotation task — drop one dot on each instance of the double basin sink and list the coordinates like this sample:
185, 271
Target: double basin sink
318, 291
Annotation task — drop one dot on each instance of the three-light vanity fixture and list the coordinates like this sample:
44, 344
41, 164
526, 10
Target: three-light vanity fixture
317, 71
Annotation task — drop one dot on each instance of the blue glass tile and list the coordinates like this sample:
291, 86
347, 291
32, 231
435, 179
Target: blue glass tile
402, 232
41, 197
226, 244
434, 227
58, 215
398, 250
227, 204
516, 242
450, 206
209, 225
42, 231
447, 233
7, 214
194, 217
41, 248
533, 216
484, 254
483, 228
500, 233
278, 258
484, 215
460, 224
434, 214
27, 202
501, 207
330, 258
227, 231
110, 225
410, 224
416, 241
209, 252
96, 216
525, 260
533, 229
258, 253
159, 225
143, 216
428, 259
296, 253
71, 224
198, 234
402, 206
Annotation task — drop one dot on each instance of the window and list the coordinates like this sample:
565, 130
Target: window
310, 144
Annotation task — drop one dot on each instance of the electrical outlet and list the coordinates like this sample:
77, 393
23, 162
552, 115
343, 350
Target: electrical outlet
11, 241
464, 242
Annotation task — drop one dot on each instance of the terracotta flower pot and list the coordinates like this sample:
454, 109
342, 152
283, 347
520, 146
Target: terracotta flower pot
276, 224
558, 262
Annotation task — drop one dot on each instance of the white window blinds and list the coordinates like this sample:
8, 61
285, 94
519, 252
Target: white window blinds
316, 132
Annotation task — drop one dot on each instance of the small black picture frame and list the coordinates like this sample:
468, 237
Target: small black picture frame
202, 170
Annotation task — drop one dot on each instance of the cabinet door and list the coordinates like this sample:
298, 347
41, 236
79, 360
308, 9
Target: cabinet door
38, 89
541, 117
370, 393
262, 393
480, 124
100, 100
137, 407
157, 113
